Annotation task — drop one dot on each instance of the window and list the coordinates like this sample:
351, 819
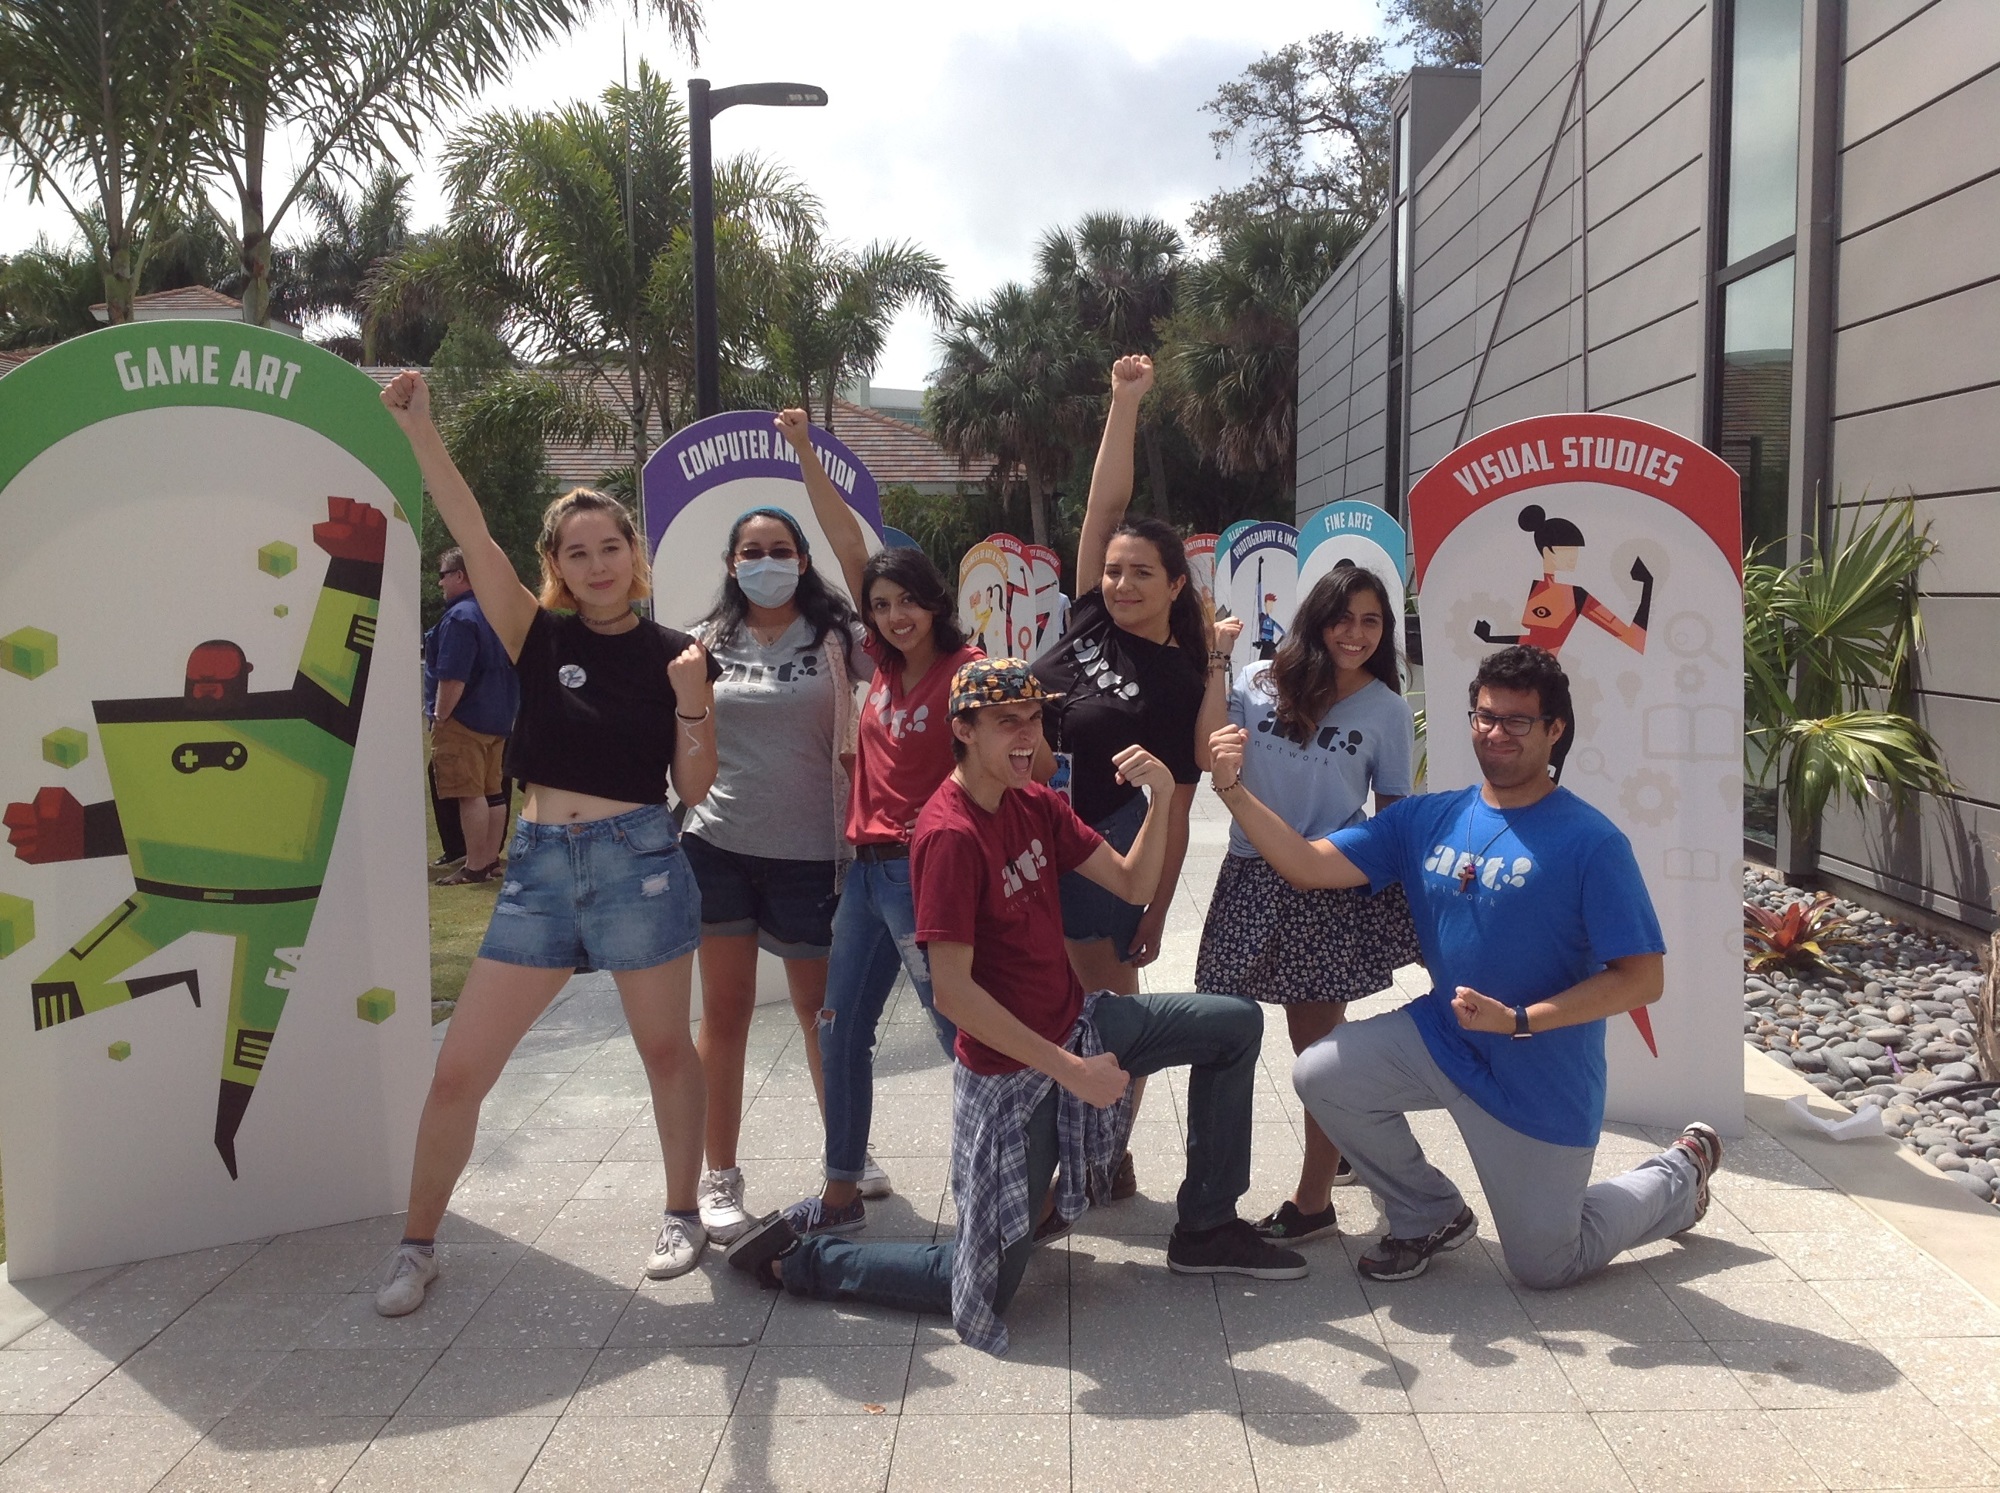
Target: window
1751, 337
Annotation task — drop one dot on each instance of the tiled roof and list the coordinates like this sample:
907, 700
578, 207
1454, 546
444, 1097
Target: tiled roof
896, 451
892, 450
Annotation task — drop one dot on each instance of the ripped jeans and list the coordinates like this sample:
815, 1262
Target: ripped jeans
874, 935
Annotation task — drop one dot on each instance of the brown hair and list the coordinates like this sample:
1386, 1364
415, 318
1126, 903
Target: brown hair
555, 595
1303, 674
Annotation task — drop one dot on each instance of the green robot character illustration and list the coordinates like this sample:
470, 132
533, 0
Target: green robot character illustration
226, 802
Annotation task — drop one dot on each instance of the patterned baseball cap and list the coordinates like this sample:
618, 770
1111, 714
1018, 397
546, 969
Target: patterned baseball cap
995, 681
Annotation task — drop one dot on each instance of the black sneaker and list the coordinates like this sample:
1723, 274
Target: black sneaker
758, 1249
445, 862
1291, 1226
1405, 1259
1235, 1248
1704, 1148
1343, 1175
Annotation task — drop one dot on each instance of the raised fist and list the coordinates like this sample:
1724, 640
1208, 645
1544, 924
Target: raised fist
1483, 630
1639, 570
1227, 631
1131, 376
49, 829
353, 531
408, 398
796, 427
687, 672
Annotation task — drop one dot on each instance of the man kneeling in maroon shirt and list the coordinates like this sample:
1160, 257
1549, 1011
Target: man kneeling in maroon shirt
1043, 1070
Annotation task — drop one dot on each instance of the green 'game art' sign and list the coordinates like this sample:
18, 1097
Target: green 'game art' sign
214, 987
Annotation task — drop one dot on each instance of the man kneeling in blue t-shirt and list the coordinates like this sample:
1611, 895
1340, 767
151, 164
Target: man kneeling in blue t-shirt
1535, 926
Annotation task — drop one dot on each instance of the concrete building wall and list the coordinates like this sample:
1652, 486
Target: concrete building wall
1916, 399
1618, 318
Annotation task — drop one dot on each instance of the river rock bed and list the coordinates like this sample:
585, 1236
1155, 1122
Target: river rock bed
1891, 1025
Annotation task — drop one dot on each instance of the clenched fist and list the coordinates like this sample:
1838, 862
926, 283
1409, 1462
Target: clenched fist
353, 531
47, 830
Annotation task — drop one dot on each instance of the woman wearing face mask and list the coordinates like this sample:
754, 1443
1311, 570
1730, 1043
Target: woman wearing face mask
1137, 666
612, 708
1324, 722
767, 842
904, 753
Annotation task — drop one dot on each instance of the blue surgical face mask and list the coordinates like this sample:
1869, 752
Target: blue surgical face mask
768, 582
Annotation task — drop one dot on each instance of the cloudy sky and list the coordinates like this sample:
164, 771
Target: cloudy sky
970, 130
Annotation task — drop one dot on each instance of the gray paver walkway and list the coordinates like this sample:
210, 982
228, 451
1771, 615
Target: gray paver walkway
1794, 1340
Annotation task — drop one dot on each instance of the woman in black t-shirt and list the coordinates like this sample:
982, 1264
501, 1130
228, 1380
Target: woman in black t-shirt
611, 707
1136, 667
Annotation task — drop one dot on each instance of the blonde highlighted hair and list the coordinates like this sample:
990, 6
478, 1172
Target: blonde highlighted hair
555, 595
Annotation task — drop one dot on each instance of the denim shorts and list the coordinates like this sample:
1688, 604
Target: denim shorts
1088, 911
787, 904
609, 894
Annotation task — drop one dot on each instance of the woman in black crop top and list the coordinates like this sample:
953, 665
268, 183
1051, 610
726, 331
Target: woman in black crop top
1135, 667
613, 707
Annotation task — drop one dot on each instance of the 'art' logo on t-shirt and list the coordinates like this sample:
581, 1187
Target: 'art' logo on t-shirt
899, 723
805, 667
1330, 738
1494, 871
1023, 868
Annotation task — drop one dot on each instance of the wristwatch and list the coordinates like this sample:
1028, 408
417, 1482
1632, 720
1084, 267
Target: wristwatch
1521, 1023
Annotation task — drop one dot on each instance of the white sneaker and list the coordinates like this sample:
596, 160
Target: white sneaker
722, 1211
874, 1181
677, 1249
410, 1275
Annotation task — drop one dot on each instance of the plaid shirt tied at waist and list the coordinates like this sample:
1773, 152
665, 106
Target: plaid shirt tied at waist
989, 1171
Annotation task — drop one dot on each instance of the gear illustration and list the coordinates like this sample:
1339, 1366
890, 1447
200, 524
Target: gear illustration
1688, 678
1480, 608
1649, 796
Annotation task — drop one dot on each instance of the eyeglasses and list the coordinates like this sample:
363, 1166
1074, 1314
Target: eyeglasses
1486, 722
455, 570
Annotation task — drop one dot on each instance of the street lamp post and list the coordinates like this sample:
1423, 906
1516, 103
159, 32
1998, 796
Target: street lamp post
703, 105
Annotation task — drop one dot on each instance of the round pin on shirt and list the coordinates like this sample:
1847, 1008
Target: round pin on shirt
571, 676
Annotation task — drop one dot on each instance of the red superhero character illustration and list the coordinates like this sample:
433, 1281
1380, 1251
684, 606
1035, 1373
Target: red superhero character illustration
1554, 607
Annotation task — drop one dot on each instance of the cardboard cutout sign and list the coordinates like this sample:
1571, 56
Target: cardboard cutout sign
1048, 606
982, 597
1223, 541
1616, 545
1020, 596
1351, 533
214, 951
1200, 550
1263, 581
709, 474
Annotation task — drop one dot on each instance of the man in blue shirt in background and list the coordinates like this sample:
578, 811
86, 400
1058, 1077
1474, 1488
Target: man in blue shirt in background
477, 695
1535, 925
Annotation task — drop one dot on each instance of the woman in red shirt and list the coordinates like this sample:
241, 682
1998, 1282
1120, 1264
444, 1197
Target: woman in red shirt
902, 754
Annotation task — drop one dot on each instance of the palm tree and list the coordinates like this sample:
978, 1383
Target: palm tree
1829, 651
1017, 386
46, 294
570, 235
93, 106
345, 83
833, 308
329, 274
1230, 356
1120, 276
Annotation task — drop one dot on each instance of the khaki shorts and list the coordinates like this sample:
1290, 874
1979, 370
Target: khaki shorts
467, 762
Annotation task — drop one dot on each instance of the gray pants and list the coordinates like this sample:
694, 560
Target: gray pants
1362, 1079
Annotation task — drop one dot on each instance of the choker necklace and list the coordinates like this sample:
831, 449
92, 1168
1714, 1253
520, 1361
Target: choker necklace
596, 626
1469, 871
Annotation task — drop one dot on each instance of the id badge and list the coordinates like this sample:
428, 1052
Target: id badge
1060, 782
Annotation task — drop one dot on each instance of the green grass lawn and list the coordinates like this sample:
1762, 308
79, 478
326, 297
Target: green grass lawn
458, 922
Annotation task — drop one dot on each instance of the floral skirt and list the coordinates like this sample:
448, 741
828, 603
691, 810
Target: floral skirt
1267, 940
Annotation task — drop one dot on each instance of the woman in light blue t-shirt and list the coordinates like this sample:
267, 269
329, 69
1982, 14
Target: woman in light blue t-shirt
1328, 724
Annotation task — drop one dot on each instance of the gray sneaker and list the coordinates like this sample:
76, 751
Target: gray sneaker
874, 1181
722, 1212
410, 1275
677, 1249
